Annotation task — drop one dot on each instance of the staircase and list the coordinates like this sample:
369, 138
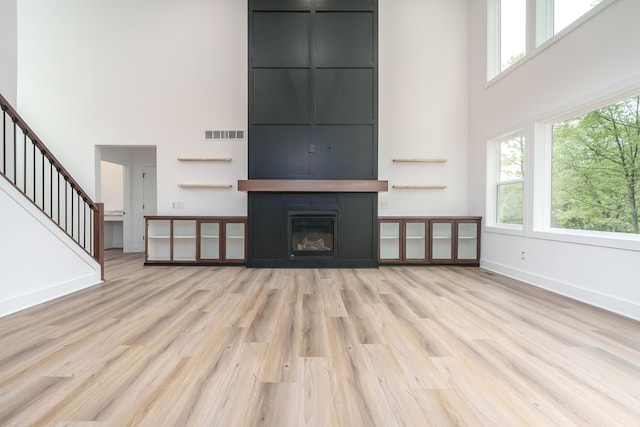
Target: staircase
37, 181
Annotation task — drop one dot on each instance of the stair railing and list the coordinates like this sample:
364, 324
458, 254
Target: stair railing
32, 169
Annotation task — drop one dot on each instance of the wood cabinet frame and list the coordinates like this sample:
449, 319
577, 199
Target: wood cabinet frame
457, 240
382, 237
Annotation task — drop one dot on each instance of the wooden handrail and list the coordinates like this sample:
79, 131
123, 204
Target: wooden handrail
6, 106
77, 229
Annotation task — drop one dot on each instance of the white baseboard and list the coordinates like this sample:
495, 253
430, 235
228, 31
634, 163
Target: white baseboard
607, 302
21, 302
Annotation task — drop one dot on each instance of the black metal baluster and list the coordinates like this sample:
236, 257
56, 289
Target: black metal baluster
78, 215
65, 203
4, 139
51, 188
79, 218
58, 198
24, 161
43, 181
84, 223
33, 165
72, 188
15, 153
91, 219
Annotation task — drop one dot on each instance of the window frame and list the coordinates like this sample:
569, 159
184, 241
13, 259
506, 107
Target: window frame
542, 177
494, 182
494, 39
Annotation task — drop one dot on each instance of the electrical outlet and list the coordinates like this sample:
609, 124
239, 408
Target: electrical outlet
177, 205
522, 255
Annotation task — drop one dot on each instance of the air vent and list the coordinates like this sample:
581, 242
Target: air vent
223, 134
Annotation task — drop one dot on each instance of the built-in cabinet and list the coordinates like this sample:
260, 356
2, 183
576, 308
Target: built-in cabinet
403, 240
429, 240
195, 240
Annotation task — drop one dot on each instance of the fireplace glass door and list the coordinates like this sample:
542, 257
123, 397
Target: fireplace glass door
312, 234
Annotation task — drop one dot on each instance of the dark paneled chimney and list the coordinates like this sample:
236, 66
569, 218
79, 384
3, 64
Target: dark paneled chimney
313, 95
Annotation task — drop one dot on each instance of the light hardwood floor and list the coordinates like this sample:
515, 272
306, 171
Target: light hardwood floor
396, 346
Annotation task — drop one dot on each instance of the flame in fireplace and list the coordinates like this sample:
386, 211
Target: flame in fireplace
307, 244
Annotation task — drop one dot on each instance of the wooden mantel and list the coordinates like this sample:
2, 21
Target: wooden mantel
313, 186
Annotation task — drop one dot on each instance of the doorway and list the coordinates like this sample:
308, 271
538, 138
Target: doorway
139, 189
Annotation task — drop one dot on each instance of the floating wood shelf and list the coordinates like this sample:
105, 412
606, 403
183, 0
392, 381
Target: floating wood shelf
205, 185
305, 185
419, 187
204, 159
419, 160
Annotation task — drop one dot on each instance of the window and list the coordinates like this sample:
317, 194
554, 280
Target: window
553, 16
510, 181
507, 34
595, 177
567, 11
509, 38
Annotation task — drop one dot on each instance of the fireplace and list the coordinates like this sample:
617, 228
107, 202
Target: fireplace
312, 134
314, 230
312, 234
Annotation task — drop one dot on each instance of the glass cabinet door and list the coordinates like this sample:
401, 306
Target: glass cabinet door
415, 235
158, 240
234, 240
442, 240
210, 240
184, 240
389, 240
467, 241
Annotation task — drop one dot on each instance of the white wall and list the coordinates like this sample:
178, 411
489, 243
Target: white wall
423, 110
38, 261
160, 72
149, 72
9, 50
595, 58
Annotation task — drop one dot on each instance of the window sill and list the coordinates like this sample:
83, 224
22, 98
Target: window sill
629, 242
513, 230
620, 241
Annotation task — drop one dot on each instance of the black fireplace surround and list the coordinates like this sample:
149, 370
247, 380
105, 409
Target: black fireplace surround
273, 241
313, 102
